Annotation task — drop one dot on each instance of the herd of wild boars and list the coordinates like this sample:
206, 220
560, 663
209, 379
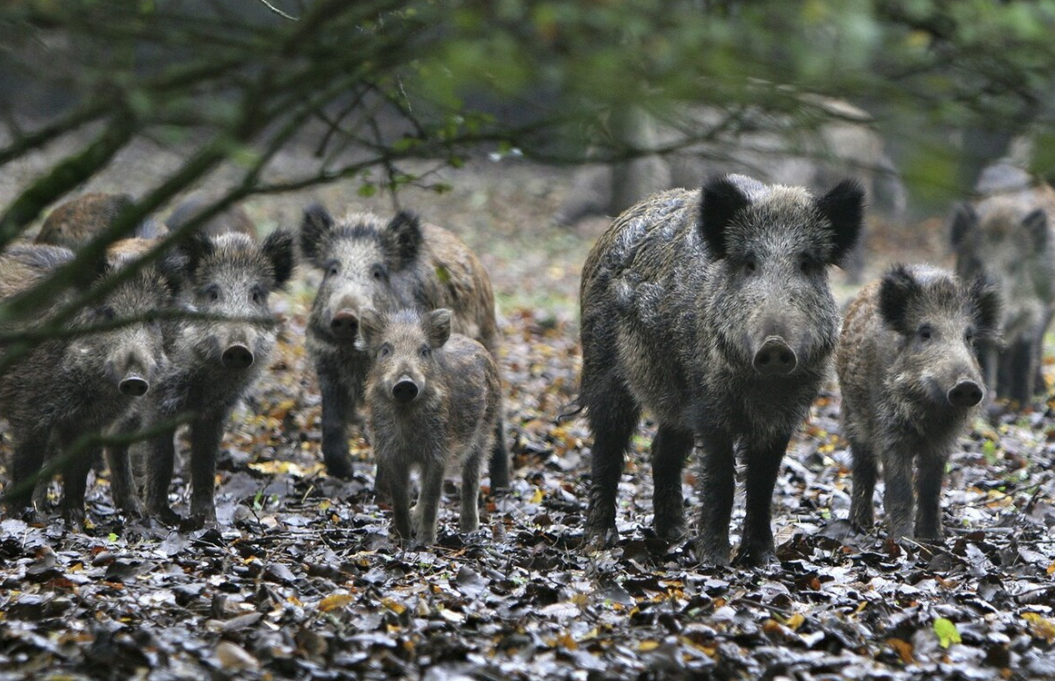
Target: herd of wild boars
709, 308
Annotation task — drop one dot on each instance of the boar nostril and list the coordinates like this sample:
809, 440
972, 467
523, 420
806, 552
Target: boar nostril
775, 358
405, 390
133, 386
345, 325
965, 394
237, 357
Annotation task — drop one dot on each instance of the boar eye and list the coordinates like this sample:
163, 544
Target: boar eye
926, 332
969, 336
385, 350
212, 292
377, 272
807, 265
257, 294
107, 313
332, 268
425, 351
750, 264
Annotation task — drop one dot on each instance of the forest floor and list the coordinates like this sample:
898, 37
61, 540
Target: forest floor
301, 580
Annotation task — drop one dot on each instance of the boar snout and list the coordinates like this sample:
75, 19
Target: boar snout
965, 394
133, 386
775, 357
237, 356
405, 389
345, 325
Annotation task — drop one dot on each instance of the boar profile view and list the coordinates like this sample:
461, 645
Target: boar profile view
710, 308
369, 263
432, 402
910, 381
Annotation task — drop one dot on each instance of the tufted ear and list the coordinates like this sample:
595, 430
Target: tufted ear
720, 202
964, 220
371, 324
317, 224
896, 291
402, 239
985, 301
1036, 226
278, 248
196, 248
437, 326
843, 206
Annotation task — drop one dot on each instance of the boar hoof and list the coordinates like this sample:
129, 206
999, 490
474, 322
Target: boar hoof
672, 533
74, 517
166, 516
754, 556
712, 553
598, 539
339, 467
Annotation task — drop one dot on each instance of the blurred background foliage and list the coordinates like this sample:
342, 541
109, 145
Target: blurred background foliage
950, 84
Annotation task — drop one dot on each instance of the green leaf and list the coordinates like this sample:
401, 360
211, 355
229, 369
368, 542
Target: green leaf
946, 631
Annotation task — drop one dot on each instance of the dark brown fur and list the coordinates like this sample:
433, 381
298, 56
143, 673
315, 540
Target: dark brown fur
448, 421
66, 388
710, 308
232, 219
76, 222
373, 264
909, 382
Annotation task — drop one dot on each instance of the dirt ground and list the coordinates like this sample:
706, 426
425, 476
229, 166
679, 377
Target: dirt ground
300, 579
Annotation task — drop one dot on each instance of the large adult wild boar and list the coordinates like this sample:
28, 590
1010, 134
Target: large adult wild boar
370, 263
711, 308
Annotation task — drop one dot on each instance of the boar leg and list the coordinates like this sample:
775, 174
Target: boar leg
763, 465
612, 422
336, 404
898, 499
865, 472
717, 487
470, 517
498, 467
931, 470
1021, 371
75, 483
31, 450
670, 448
397, 481
429, 498
161, 459
206, 434
122, 482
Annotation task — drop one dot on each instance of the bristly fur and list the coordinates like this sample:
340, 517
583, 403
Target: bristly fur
895, 295
843, 206
402, 238
722, 200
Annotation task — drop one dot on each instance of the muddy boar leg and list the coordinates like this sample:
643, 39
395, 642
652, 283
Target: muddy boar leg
763, 465
429, 499
898, 496
161, 459
470, 518
865, 472
498, 466
612, 423
206, 434
397, 482
336, 403
670, 448
717, 487
74, 484
928, 495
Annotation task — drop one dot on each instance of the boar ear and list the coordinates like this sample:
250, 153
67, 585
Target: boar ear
316, 225
278, 248
843, 206
964, 219
371, 324
896, 291
196, 248
721, 200
402, 238
172, 266
986, 302
1036, 225
438, 327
